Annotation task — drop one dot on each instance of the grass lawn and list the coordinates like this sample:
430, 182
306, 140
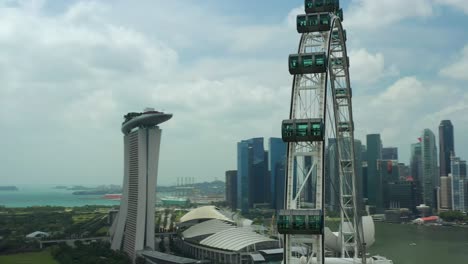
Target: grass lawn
42, 257
102, 231
82, 218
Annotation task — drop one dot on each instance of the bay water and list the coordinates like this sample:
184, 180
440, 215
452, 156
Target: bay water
414, 244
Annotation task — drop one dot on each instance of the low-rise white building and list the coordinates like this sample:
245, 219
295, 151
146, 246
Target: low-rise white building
38, 235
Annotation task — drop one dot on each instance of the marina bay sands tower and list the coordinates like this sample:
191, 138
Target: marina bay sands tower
133, 228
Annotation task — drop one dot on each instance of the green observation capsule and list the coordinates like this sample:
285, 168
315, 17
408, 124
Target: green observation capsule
303, 130
297, 221
317, 6
319, 22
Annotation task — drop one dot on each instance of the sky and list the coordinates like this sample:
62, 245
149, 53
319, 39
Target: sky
70, 70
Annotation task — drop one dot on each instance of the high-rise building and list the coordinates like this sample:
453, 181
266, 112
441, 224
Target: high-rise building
388, 170
252, 173
446, 146
458, 168
359, 176
416, 170
390, 153
364, 181
430, 175
401, 194
416, 162
445, 195
403, 171
276, 166
280, 185
388, 174
231, 189
244, 164
332, 176
374, 180
465, 185
133, 228
364, 172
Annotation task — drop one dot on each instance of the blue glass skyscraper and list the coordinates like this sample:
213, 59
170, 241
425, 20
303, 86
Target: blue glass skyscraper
374, 180
252, 172
430, 175
276, 165
446, 146
458, 169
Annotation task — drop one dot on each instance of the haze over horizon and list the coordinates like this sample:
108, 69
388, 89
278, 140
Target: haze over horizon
71, 70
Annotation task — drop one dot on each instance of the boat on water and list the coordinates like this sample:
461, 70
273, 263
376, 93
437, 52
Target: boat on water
113, 196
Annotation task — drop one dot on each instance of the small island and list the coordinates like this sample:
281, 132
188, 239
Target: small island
8, 188
99, 190
60, 187
78, 188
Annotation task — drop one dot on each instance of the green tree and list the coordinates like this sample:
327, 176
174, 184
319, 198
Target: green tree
451, 216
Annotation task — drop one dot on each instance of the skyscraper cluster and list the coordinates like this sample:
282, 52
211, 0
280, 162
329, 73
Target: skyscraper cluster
260, 175
453, 189
437, 181
434, 179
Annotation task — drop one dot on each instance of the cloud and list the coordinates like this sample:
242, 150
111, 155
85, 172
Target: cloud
372, 15
254, 38
405, 108
367, 68
64, 60
458, 70
292, 15
68, 76
75, 75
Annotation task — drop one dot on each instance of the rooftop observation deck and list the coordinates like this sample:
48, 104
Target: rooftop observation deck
147, 118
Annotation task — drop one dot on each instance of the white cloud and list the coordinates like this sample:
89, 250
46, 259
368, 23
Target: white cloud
371, 14
93, 110
366, 68
458, 70
254, 38
75, 75
405, 108
69, 77
291, 18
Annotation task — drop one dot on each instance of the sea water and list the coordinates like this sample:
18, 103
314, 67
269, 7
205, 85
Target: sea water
47, 195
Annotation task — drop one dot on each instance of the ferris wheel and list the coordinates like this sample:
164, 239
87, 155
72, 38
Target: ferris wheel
321, 108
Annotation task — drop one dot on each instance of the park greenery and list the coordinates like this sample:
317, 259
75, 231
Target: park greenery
67, 223
93, 253
42, 257
453, 216
58, 222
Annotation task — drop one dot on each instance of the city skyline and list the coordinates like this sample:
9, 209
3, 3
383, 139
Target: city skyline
108, 60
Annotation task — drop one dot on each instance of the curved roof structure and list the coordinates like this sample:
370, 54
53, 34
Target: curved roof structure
206, 228
234, 239
145, 119
205, 212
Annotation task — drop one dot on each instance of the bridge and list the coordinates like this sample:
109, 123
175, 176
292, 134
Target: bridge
165, 234
71, 241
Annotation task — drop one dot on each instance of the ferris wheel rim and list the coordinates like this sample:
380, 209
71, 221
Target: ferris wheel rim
334, 25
